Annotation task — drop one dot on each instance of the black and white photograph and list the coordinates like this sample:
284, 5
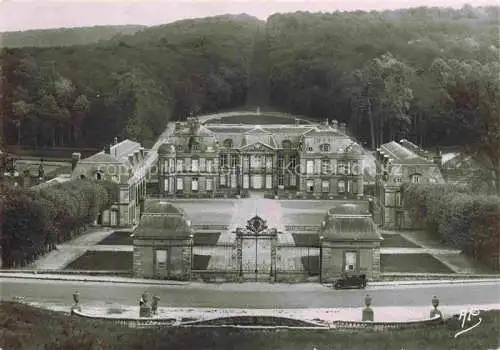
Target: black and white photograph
249, 175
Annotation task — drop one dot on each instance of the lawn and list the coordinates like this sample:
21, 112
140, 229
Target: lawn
206, 238
25, 327
118, 238
99, 260
413, 263
397, 241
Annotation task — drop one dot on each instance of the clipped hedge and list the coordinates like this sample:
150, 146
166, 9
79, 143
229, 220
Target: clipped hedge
457, 217
34, 220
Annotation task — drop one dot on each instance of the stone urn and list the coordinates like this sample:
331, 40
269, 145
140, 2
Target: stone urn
367, 314
435, 302
145, 306
76, 299
368, 300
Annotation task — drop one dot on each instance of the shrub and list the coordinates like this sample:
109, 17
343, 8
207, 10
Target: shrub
456, 216
33, 220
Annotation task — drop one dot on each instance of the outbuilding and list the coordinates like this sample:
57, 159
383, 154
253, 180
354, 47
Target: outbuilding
163, 243
350, 242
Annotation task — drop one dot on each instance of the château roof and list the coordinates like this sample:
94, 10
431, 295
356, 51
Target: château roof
163, 227
352, 228
403, 155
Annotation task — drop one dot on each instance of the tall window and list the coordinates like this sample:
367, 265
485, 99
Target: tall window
325, 186
281, 161
309, 185
269, 162
324, 147
293, 162
235, 161
350, 259
281, 180
180, 184
195, 165
179, 166
325, 166
171, 165
340, 167
165, 184
341, 186
398, 199
223, 160
194, 184
310, 167
209, 165
223, 179
209, 185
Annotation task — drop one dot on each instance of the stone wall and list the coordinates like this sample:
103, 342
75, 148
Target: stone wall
333, 259
179, 258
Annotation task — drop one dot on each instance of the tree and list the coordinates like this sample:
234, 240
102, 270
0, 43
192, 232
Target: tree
472, 91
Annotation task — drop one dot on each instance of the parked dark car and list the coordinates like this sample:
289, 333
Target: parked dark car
350, 281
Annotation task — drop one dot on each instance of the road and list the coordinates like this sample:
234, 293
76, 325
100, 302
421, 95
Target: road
251, 295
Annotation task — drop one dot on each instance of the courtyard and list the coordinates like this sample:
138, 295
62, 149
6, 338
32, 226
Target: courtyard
400, 253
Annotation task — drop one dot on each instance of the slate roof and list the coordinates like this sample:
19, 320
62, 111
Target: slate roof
155, 206
352, 228
163, 227
402, 155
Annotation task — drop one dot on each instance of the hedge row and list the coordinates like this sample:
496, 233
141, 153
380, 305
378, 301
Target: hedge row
457, 217
34, 220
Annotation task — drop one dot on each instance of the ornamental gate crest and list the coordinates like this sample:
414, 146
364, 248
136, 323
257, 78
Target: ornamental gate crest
256, 250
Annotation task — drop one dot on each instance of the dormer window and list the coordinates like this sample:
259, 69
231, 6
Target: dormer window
228, 143
195, 146
98, 175
178, 148
416, 178
286, 144
309, 149
324, 147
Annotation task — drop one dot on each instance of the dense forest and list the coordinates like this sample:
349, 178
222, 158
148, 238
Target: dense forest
65, 36
427, 74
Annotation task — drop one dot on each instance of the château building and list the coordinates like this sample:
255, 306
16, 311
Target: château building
118, 162
205, 160
397, 164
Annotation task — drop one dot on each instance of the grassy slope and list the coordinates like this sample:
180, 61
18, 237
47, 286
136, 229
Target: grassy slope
23, 327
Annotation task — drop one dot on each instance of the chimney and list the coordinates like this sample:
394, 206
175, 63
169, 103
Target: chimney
297, 122
342, 128
131, 159
116, 140
136, 154
75, 158
107, 149
177, 126
438, 158
335, 124
141, 150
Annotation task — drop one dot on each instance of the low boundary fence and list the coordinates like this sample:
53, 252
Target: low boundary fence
260, 322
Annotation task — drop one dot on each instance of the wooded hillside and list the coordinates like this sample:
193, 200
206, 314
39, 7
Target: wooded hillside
427, 74
64, 36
